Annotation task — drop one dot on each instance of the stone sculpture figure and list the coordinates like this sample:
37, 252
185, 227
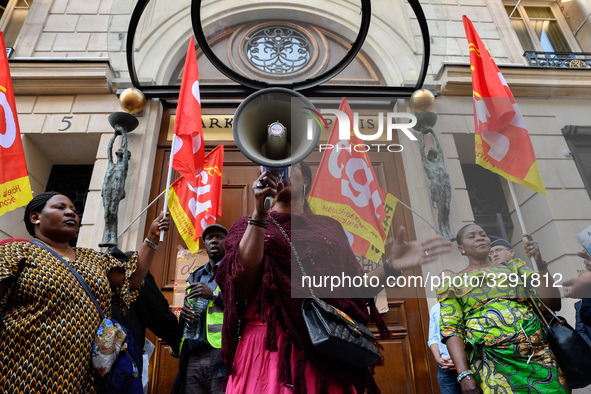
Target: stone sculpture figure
113, 190
440, 184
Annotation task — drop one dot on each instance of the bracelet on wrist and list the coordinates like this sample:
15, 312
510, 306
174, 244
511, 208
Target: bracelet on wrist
150, 244
258, 223
466, 374
391, 271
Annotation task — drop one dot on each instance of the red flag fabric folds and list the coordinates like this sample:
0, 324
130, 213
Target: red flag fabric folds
347, 190
503, 144
15, 188
193, 208
188, 145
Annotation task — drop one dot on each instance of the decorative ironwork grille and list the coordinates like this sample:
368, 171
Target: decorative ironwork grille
558, 59
278, 50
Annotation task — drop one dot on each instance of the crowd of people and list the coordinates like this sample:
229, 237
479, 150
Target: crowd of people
249, 332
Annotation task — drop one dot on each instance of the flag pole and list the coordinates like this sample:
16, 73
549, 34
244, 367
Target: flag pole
416, 213
520, 218
140, 214
168, 178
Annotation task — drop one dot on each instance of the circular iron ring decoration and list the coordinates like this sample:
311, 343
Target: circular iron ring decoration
254, 84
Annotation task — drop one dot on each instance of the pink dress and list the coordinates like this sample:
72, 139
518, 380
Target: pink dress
256, 369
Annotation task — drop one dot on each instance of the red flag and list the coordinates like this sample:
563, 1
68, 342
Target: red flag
502, 140
347, 190
188, 145
194, 208
15, 189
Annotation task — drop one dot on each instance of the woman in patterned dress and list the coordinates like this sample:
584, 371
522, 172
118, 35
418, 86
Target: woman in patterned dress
47, 321
491, 332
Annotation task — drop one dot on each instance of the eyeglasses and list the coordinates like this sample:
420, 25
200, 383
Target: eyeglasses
495, 251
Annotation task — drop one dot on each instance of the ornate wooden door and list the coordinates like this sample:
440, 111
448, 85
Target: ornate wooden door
407, 362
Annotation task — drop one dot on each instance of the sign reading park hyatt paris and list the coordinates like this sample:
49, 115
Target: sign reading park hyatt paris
219, 127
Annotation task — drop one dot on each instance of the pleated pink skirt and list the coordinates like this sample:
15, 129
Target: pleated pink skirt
256, 370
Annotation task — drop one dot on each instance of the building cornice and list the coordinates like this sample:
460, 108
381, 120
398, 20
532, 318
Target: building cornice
525, 81
45, 77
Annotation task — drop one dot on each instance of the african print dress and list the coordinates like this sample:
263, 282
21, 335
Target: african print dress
48, 322
504, 343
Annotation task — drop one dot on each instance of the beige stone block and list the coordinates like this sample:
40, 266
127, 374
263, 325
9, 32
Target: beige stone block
536, 214
99, 123
456, 124
13, 226
31, 123
453, 106
38, 165
83, 7
100, 167
45, 42
53, 104
103, 145
59, 6
549, 147
542, 125
569, 204
117, 43
448, 145
74, 42
568, 230
93, 24
560, 174
106, 5
95, 104
61, 23
66, 124
119, 23
454, 168
476, 14
24, 104
98, 42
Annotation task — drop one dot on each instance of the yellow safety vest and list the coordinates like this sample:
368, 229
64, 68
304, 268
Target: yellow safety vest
214, 320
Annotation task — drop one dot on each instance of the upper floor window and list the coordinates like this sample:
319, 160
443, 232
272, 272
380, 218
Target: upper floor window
539, 26
12, 18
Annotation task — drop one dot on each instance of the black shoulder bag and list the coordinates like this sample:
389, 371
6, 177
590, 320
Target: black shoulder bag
332, 332
572, 352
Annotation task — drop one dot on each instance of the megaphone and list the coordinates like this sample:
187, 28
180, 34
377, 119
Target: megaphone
275, 128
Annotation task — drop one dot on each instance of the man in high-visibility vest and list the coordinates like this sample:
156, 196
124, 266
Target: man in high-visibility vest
201, 369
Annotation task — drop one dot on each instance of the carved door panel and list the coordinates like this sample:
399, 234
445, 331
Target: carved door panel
407, 363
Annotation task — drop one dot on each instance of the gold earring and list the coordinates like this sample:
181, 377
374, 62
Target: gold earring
37, 222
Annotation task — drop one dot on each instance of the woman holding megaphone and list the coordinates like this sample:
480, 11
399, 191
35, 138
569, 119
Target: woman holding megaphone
265, 342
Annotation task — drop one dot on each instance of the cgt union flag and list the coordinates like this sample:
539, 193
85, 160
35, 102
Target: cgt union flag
15, 189
347, 190
195, 207
188, 145
502, 141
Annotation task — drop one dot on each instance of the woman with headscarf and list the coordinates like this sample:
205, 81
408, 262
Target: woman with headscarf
48, 322
492, 334
265, 342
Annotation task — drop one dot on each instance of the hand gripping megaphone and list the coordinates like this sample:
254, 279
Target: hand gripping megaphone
274, 128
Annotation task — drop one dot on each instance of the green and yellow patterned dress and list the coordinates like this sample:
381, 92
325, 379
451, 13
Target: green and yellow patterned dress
504, 344
48, 322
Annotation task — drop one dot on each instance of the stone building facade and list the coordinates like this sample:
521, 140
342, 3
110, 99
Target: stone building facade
68, 61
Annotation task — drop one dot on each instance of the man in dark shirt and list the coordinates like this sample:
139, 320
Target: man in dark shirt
201, 368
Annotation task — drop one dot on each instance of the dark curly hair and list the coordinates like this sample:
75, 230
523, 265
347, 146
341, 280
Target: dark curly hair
36, 205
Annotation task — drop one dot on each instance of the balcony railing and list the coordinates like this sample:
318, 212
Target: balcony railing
559, 59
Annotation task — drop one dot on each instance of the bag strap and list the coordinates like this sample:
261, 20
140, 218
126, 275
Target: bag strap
75, 273
295, 252
534, 300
